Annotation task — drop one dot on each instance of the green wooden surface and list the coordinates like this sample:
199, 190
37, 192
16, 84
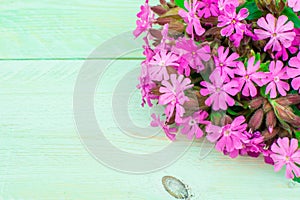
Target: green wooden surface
41, 156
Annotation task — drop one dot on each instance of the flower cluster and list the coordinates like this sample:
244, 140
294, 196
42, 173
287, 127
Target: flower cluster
227, 70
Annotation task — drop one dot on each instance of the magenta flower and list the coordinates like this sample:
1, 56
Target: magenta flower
158, 65
226, 63
146, 18
219, 92
295, 4
156, 122
229, 137
165, 40
173, 96
296, 41
190, 17
283, 54
208, 8
280, 31
223, 3
249, 76
145, 83
254, 145
191, 124
231, 21
274, 79
294, 72
193, 54
286, 152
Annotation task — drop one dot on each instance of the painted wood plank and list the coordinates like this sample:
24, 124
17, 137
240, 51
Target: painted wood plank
61, 29
41, 156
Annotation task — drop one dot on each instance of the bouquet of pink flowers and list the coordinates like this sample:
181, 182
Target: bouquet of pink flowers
228, 70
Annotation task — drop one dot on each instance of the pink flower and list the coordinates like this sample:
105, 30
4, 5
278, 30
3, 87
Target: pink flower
165, 40
249, 76
229, 137
296, 41
223, 3
286, 152
173, 96
294, 48
146, 17
254, 145
145, 83
219, 92
284, 53
294, 72
295, 4
193, 54
226, 63
158, 65
280, 32
191, 124
156, 122
274, 79
231, 21
208, 8
190, 17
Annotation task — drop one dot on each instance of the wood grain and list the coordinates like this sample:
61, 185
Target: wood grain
43, 46
41, 156
61, 29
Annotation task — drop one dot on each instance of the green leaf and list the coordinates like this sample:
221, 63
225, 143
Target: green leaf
265, 66
297, 180
254, 12
257, 57
263, 91
232, 112
292, 16
180, 3
297, 134
296, 110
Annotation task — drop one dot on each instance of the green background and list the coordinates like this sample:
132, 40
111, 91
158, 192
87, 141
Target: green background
43, 45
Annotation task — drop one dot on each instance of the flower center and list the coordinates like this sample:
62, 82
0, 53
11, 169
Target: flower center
192, 122
247, 77
218, 89
221, 65
276, 79
227, 132
274, 34
233, 21
162, 63
193, 53
287, 158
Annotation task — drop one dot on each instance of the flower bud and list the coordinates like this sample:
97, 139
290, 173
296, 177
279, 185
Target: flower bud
163, 2
262, 4
271, 120
159, 10
256, 103
256, 120
270, 135
291, 99
163, 21
286, 114
176, 27
267, 106
283, 133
